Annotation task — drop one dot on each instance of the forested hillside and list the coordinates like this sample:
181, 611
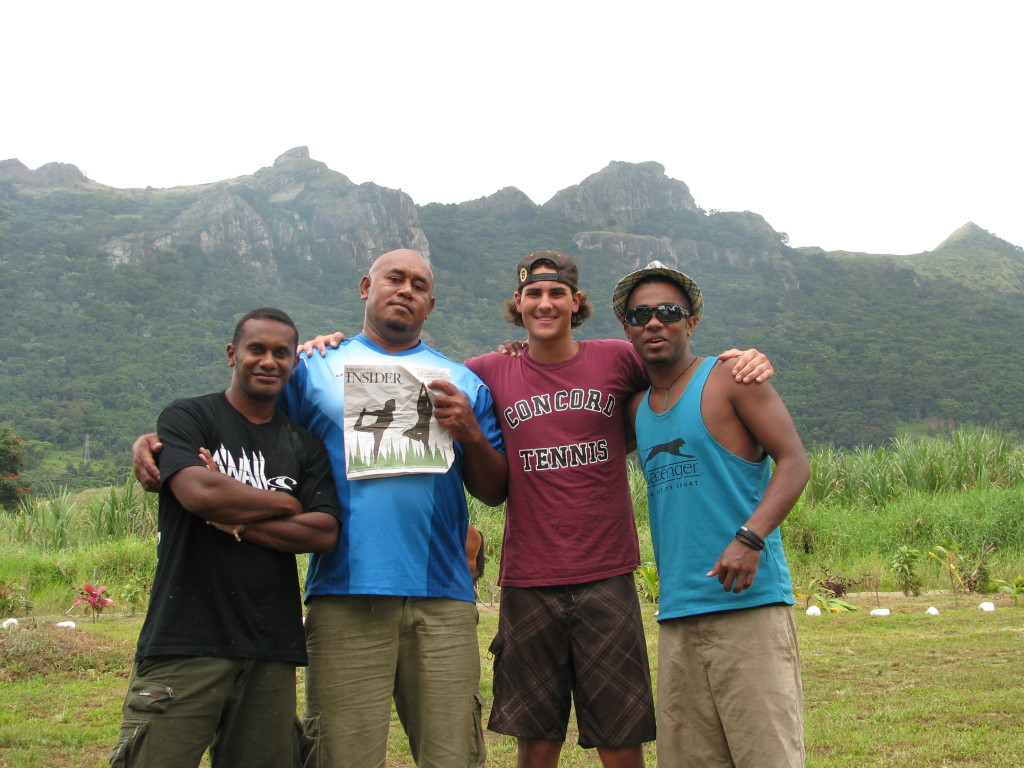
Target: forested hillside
113, 302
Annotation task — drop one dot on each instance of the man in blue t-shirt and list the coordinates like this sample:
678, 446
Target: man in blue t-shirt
391, 611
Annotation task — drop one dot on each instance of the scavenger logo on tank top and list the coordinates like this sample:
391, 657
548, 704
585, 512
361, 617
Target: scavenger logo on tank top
669, 463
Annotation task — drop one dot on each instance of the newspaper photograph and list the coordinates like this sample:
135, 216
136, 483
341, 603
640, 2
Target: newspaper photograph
390, 427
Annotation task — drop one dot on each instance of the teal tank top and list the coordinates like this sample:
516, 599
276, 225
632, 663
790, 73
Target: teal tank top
699, 494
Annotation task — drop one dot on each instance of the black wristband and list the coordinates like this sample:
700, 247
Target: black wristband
746, 536
749, 544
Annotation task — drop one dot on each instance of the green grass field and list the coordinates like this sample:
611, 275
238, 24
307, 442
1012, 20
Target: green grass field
904, 691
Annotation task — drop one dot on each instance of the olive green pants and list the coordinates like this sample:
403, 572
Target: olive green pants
243, 710
365, 652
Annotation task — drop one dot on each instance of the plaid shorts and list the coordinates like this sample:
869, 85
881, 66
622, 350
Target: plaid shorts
582, 642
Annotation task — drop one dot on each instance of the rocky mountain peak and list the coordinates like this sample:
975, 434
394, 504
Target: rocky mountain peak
297, 153
622, 194
506, 201
49, 175
971, 235
294, 171
969, 230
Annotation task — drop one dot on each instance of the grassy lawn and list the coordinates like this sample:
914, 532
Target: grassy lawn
904, 691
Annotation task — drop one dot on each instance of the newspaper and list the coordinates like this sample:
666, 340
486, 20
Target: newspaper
390, 428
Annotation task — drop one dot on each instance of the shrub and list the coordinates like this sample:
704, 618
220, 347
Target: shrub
838, 585
904, 567
12, 600
94, 599
647, 582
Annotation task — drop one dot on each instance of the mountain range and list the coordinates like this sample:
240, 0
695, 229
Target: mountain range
115, 301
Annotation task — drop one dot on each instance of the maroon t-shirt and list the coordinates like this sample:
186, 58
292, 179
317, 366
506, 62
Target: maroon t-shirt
569, 515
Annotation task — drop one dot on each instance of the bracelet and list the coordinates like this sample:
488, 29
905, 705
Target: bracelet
746, 536
746, 543
239, 531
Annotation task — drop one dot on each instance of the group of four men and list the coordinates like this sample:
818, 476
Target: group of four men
390, 607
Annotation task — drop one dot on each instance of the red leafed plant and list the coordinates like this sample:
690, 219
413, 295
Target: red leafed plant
94, 600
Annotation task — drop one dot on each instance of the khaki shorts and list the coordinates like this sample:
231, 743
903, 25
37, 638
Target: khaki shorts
729, 691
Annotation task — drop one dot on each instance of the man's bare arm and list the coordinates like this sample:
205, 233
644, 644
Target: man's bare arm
485, 472
308, 532
762, 412
218, 498
750, 367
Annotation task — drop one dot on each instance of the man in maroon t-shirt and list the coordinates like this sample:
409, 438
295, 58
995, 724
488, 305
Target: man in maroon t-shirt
569, 625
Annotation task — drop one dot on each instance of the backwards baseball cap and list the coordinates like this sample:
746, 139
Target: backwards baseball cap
626, 285
565, 270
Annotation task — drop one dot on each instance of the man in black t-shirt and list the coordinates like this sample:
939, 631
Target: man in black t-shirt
243, 488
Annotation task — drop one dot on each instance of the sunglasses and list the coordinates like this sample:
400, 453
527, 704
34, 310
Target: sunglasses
666, 313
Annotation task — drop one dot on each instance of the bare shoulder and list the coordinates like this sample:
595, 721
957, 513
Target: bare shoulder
723, 382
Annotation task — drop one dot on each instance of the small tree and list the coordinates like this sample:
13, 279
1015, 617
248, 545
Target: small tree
947, 554
904, 570
12, 461
1013, 588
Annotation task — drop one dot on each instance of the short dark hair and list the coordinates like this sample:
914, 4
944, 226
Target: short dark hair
265, 313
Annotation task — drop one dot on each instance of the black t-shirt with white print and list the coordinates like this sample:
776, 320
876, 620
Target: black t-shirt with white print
213, 595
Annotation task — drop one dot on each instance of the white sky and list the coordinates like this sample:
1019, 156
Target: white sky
867, 126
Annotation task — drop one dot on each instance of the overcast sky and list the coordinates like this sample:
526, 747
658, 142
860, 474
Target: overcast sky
869, 126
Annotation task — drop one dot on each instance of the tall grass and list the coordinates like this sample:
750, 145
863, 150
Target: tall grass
860, 506
62, 520
46, 523
128, 513
966, 489
56, 543
969, 458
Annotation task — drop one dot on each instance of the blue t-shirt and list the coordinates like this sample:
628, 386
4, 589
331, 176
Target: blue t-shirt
401, 535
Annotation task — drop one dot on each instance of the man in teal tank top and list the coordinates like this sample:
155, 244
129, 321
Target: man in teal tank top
729, 686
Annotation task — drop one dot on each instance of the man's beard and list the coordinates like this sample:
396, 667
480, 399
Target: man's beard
393, 324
